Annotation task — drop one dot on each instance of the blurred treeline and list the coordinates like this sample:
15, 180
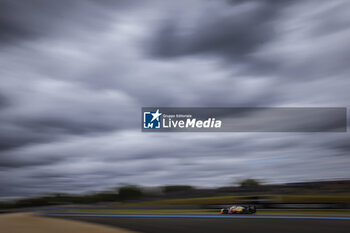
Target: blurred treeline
327, 194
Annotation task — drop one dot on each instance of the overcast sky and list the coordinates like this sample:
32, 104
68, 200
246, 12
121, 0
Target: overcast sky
75, 74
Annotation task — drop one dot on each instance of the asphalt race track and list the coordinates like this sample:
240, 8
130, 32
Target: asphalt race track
216, 223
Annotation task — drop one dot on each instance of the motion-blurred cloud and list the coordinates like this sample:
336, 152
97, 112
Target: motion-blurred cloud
75, 74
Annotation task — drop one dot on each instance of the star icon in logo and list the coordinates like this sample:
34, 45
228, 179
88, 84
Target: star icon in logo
156, 115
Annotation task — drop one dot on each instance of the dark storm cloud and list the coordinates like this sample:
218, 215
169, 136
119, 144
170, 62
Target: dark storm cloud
33, 119
20, 132
243, 32
8, 161
234, 29
29, 21
339, 146
17, 140
4, 101
32, 19
57, 126
46, 130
